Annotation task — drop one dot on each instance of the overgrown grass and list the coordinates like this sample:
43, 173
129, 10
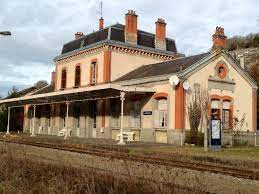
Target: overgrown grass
25, 175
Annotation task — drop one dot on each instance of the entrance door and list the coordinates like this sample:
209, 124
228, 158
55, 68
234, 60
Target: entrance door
93, 116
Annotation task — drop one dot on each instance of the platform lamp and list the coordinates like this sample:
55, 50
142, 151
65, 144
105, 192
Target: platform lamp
5, 33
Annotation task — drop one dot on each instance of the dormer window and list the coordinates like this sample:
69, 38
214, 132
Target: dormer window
93, 73
77, 76
64, 79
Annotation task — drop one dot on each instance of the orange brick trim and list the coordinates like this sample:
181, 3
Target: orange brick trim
226, 98
160, 95
215, 97
94, 61
179, 107
223, 73
107, 66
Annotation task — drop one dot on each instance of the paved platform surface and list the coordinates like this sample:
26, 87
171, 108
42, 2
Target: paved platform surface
94, 141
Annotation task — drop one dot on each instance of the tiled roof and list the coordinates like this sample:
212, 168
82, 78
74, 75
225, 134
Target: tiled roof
117, 34
163, 68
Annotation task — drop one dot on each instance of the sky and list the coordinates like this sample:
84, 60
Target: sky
40, 28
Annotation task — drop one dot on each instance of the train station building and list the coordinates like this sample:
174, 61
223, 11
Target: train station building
120, 78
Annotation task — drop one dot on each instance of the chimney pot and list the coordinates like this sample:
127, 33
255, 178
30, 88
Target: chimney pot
78, 35
101, 23
219, 39
131, 27
160, 40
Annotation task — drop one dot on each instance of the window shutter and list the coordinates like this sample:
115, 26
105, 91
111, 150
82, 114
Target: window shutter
91, 74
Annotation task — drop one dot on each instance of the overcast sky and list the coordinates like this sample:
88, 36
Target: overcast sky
40, 28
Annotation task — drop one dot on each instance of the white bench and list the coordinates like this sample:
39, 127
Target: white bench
62, 132
129, 136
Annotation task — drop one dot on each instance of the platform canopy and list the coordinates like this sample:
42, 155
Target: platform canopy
77, 94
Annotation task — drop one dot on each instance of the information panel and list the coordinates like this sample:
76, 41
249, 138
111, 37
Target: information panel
215, 133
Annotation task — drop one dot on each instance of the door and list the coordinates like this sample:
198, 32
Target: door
93, 118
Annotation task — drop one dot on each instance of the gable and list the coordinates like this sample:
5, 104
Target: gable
207, 70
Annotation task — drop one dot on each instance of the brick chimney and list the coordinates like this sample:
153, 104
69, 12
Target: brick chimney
101, 22
160, 41
78, 35
219, 39
53, 78
131, 27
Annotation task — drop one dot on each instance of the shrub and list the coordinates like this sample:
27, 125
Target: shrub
194, 137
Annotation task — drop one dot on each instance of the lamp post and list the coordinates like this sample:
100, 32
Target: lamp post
5, 33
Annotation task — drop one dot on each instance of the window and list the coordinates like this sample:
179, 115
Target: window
161, 114
77, 76
135, 115
93, 73
226, 115
63, 79
215, 111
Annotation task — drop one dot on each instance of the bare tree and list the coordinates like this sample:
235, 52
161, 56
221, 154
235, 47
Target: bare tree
198, 112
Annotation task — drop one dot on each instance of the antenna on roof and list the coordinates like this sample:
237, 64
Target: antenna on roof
101, 6
100, 9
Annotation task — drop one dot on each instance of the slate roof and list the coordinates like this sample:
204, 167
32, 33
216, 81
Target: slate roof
24, 92
116, 34
163, 68
46, 89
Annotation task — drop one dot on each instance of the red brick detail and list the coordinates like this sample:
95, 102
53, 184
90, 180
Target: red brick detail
107, 66
101, 23
160, 29
179, 107
227, 98
215, 97
94, 61
224, 71
131, 22
160, 95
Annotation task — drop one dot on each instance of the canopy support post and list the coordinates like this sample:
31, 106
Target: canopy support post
33, 121
8, 121
66, 121
122, 98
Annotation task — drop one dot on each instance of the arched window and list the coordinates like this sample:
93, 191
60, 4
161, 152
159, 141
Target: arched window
77, 76
160, 115
63, 79
93, 73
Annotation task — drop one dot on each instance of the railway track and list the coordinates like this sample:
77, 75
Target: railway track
122, 154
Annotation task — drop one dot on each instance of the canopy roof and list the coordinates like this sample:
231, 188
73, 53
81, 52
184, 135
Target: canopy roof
79, 94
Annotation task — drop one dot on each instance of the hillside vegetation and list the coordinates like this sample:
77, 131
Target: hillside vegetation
241, 42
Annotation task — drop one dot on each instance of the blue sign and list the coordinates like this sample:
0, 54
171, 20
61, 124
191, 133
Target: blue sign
215, 134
